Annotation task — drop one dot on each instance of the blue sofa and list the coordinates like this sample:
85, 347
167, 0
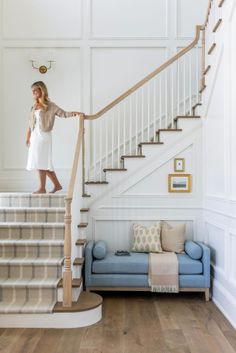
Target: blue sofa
111, 272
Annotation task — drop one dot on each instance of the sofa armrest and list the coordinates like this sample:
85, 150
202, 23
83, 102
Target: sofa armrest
88, 262
206, 263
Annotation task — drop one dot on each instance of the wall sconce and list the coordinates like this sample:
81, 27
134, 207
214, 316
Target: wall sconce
43, 68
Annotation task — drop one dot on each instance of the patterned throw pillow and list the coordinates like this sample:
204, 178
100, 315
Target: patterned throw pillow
147, 239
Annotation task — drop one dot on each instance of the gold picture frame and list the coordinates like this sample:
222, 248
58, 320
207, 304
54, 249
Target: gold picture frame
179, 164
179, 182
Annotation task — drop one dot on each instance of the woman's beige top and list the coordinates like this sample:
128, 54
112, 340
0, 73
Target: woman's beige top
47, 117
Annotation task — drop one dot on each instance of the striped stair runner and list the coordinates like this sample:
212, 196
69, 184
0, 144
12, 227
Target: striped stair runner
31, 251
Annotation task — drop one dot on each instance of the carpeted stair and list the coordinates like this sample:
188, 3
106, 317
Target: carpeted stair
31, 251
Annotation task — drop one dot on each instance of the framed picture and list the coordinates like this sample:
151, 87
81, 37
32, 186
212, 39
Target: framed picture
179, 164
179, 183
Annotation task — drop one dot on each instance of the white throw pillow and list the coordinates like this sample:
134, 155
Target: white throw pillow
147, 239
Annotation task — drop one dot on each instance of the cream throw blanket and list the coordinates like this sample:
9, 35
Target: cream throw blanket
163, 273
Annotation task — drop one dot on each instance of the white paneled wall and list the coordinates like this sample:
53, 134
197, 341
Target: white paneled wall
100, 48
219, 130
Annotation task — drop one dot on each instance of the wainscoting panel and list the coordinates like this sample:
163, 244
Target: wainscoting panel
111, 19
185, 28
42, 19
118, 232
115, 70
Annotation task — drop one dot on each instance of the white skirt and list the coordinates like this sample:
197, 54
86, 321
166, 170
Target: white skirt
40, 149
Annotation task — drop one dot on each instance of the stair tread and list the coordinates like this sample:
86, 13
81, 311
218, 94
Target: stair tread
86, 301
33, 224
31, 209
81, 241
211, 48
24, 261
207, 69
84, 209
32, 242
31, 194
151, 143
78, 261
29, 283
31, 306
114, 169
172, 130
76, 282
133, 156
96, 182
202, 89
218, 23
82, 225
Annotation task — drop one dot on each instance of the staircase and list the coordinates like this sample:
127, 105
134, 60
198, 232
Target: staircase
143, 125
32, 240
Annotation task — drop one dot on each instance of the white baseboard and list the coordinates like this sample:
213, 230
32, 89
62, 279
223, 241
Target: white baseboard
55, 320
225, 302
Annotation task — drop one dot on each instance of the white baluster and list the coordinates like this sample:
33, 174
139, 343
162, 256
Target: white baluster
172, 97
148, 110
178, 83
160, 103
154, 107
100, 147
166, 93
118, 136
190, 82
106, 127
124, 129
112, 139
184, 90
136, 122
197, 74
130, 124
142, 112
94, 148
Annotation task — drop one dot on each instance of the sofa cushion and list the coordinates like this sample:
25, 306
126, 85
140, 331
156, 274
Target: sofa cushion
172, 237
136, 263
147, 239
189, 266
100, 249
193, 249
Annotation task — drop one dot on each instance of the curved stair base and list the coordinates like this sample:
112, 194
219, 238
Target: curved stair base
87, 311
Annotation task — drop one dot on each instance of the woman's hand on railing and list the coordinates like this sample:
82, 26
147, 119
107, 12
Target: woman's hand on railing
77, 113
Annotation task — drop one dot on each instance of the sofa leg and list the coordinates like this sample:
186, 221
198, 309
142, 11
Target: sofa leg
207, 294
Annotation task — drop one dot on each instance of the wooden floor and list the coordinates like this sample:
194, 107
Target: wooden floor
135, 323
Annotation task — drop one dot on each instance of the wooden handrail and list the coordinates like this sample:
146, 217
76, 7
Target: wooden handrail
67, 274
148, 77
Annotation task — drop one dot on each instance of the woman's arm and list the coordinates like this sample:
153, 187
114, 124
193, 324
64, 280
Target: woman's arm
63, 114
28, 134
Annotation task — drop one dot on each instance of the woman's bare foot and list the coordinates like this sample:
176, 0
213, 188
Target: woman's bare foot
55, 189
40, 191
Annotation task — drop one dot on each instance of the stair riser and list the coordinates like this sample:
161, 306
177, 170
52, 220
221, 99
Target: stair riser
188, 124
31, 216
19, 294
30, 272
32, 201
22, 232
31, 251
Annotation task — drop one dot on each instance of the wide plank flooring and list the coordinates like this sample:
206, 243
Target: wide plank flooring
135, 323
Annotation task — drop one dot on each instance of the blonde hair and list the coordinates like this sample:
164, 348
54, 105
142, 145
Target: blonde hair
44, 100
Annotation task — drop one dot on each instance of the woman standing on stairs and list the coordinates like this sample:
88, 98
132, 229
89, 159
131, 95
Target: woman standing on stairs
39, 136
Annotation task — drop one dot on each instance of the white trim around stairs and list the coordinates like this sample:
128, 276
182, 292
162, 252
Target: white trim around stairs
54, 320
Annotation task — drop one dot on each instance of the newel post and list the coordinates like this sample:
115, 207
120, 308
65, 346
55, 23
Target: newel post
67, 274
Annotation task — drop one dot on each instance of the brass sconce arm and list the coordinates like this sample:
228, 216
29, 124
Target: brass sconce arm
42, 68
